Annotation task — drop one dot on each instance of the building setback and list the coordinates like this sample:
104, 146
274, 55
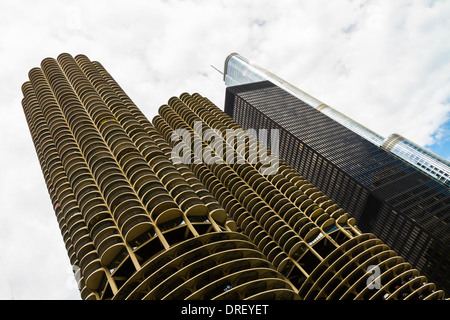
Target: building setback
138, 225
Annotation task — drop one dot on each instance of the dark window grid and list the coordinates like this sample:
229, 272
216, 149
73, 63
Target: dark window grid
387, 225
425, 200
310, 164
313, 167
387, 177
332, 182
397, 225
304, 162
327, 176
372, 170
323, 133
391, 183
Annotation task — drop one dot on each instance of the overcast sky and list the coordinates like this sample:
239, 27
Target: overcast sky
385, 64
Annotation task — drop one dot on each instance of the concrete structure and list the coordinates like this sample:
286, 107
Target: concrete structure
239, 70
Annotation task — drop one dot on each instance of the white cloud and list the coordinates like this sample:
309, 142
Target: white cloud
383, 63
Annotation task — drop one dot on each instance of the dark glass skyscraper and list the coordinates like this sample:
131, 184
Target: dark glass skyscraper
405, 207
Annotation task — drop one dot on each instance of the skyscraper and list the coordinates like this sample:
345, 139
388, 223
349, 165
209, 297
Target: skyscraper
407, 207
156, 211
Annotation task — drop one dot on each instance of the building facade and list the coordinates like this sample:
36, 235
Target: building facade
403, 205
139, 224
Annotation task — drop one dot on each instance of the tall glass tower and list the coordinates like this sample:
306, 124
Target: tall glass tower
392, 187
146, 214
